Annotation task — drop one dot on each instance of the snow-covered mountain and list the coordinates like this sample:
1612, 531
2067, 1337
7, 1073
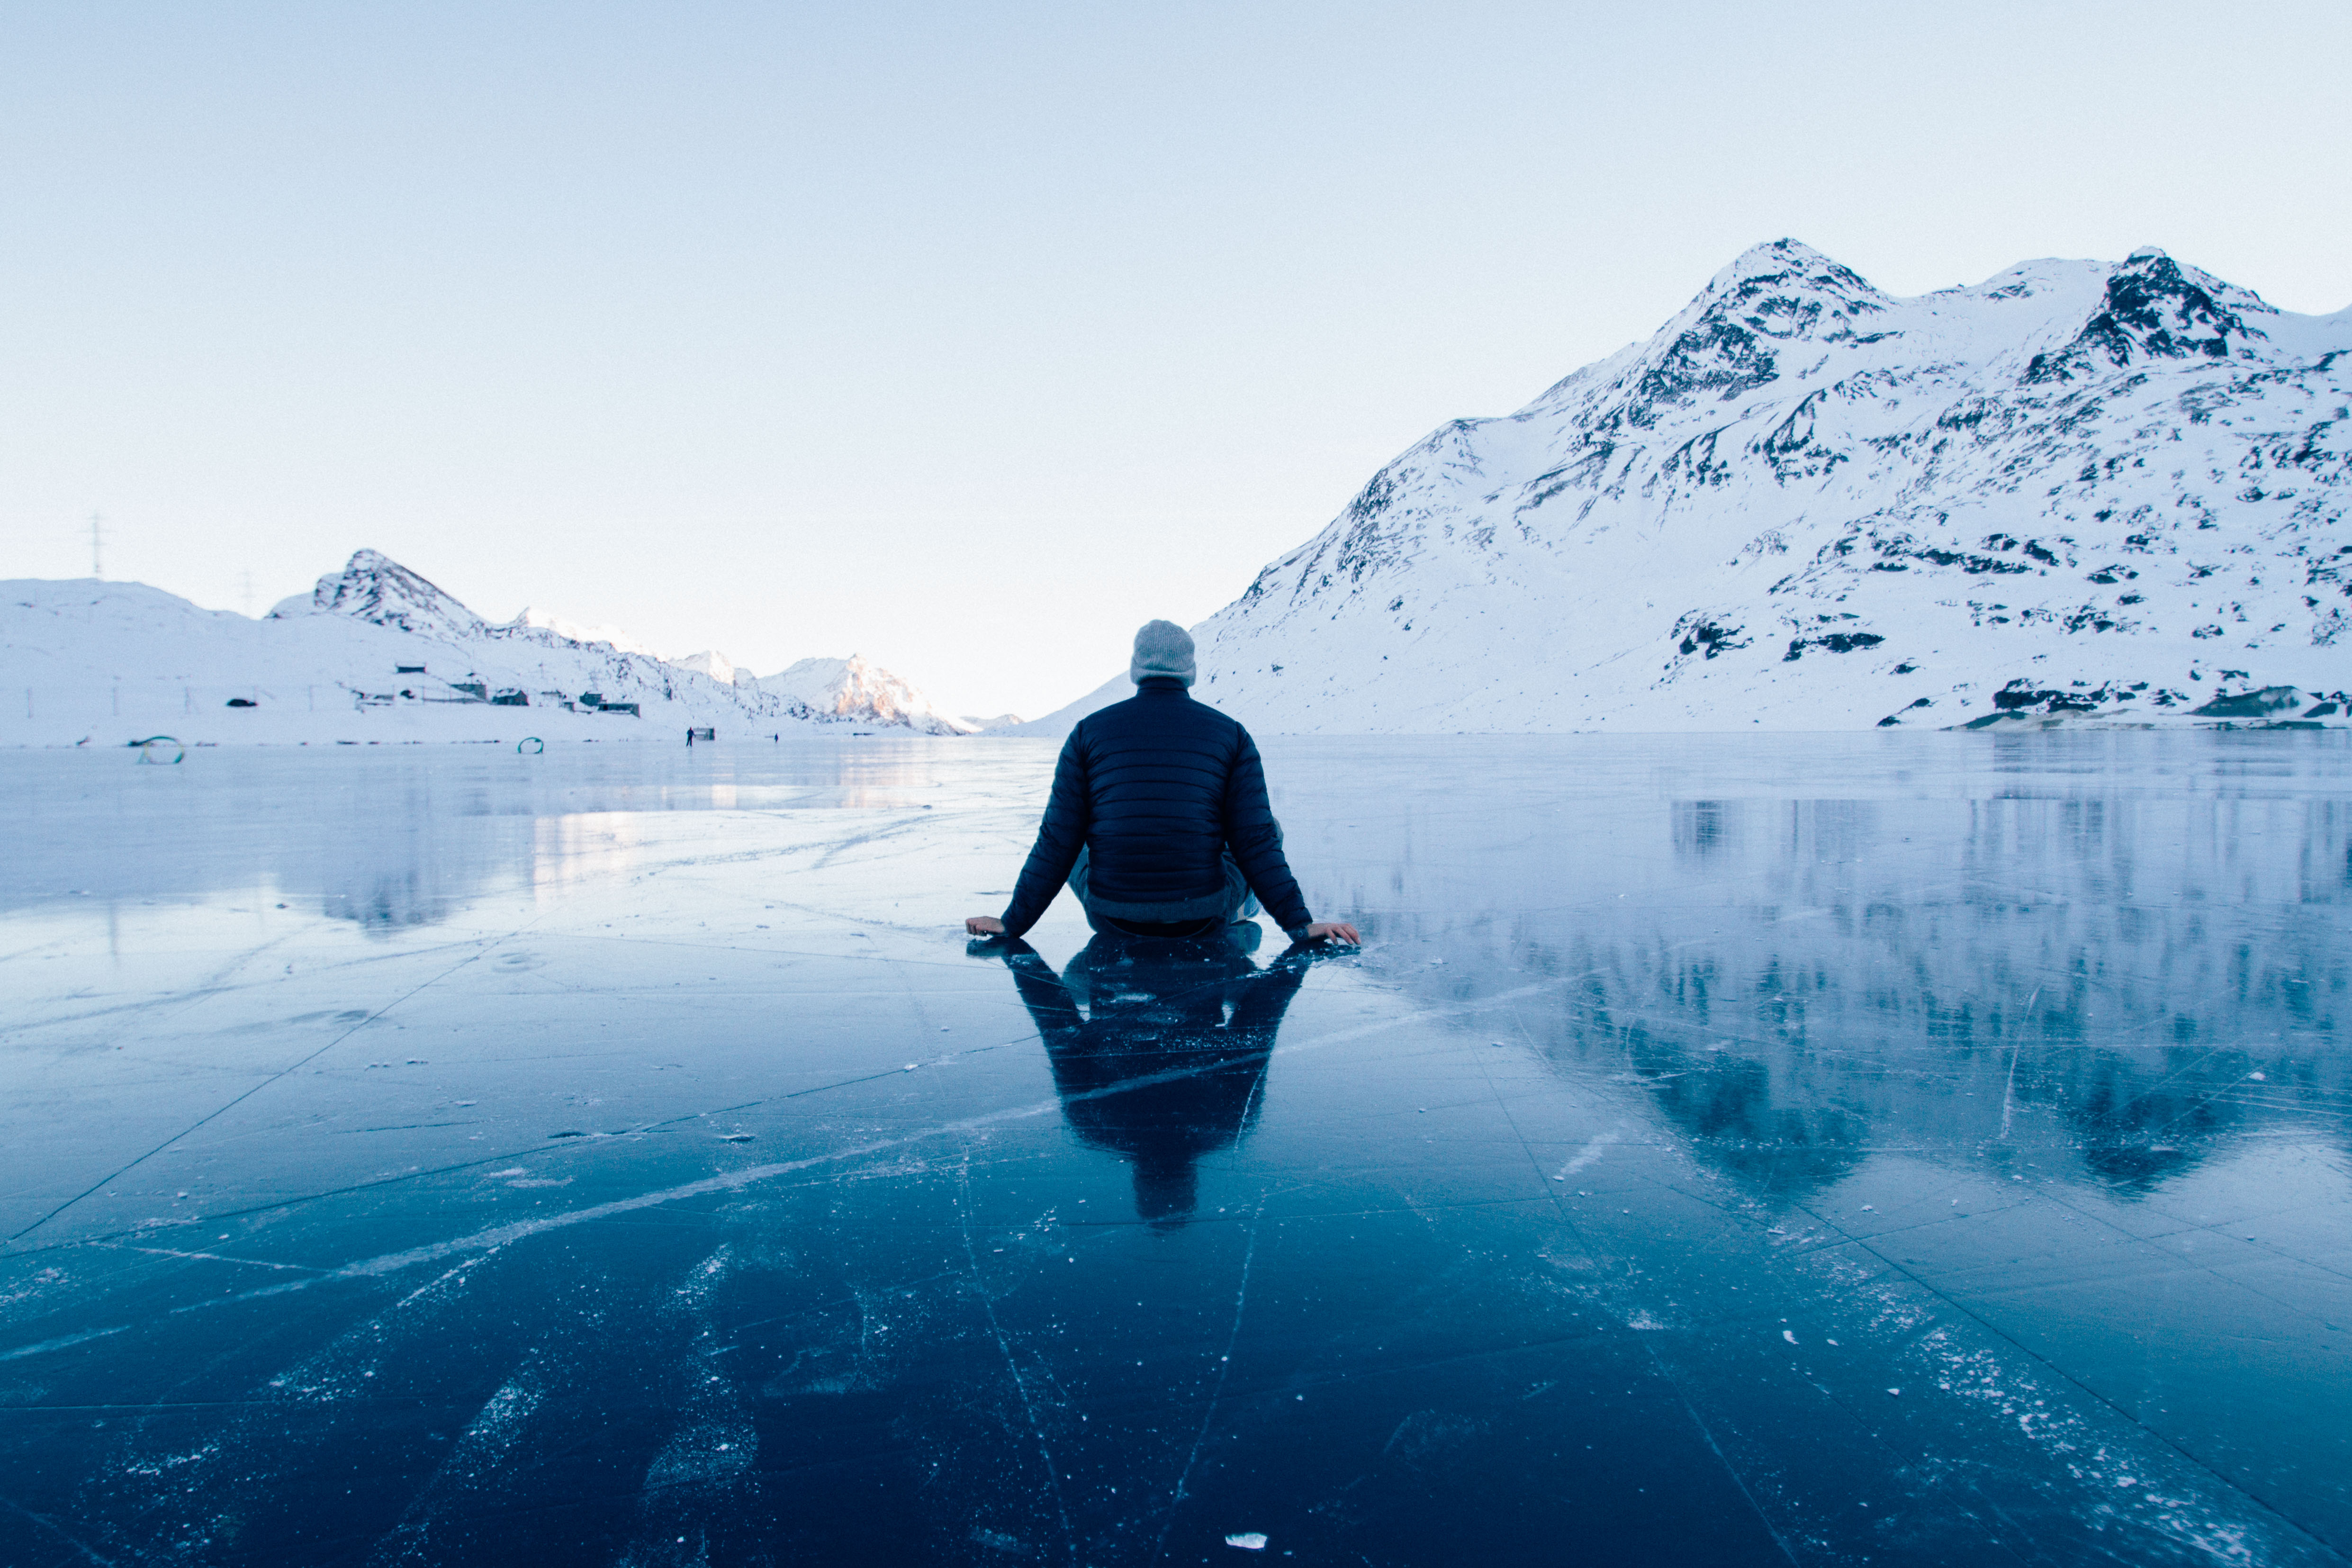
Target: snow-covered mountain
574, 631
719, 667
2077, 488
851, 689
374, 653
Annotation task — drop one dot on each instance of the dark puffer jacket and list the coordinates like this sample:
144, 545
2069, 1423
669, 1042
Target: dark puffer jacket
1157, 789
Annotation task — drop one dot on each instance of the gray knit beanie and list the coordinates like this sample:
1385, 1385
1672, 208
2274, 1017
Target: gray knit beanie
1163, 648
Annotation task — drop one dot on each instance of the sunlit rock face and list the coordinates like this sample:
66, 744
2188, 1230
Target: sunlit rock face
2114, 492
851, 689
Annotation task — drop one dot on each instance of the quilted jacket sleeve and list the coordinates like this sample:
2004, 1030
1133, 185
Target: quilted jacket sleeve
1256, 839
1059, 838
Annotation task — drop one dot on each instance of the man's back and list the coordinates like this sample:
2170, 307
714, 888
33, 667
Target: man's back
1157, 768
1165, 801
1156, 789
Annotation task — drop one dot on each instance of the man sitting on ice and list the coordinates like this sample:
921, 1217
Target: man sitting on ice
1159, 819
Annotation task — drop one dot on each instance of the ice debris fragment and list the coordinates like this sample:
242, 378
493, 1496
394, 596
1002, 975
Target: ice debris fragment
1248, 1541
1789, 1335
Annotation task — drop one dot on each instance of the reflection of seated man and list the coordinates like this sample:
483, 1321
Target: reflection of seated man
1159, 819
1167, 1061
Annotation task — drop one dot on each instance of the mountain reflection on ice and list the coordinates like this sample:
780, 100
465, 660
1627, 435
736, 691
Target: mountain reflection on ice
2124, 956
402, 837
1897, 1148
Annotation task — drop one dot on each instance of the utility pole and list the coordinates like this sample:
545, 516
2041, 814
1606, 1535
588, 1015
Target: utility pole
97, 536
245, 583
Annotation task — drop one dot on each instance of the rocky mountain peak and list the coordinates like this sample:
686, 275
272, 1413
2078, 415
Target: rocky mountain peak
373, 587
1729, 341
1786, 267
2154, 308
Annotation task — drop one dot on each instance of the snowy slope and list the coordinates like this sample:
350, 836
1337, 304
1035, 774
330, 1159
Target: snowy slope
1117, 688
375, 653
1805, 504
536, 618
851, 689
718, 667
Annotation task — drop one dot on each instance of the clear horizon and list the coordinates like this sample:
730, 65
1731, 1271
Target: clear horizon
967, 339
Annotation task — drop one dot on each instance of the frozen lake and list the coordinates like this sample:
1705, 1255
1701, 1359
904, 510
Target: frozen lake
1906, 1148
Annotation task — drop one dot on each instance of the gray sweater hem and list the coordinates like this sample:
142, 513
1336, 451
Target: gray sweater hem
1204, 907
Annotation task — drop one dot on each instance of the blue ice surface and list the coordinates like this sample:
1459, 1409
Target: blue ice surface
1902, 1149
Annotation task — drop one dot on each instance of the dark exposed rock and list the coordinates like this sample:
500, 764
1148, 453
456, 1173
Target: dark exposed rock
1695, 633
2152, 310
2259, 704
1833, 642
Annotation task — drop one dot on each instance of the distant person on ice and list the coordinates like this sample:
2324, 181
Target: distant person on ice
1159, 819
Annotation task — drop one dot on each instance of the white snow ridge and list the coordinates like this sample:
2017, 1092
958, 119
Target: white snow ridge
377, 654
2104, 492
534, 618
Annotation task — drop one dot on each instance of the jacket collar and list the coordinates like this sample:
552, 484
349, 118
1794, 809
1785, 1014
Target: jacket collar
1161, 683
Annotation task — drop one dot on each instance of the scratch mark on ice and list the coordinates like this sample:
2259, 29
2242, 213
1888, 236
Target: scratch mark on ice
1216, 1390
1012, 1362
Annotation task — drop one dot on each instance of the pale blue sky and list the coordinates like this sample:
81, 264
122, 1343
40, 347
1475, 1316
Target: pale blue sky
969, 336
